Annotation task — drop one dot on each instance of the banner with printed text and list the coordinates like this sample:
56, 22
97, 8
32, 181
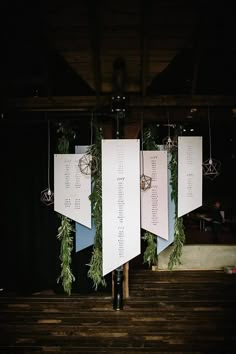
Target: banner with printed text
189, 174
84, 236
72, 189
120, 202
154, 201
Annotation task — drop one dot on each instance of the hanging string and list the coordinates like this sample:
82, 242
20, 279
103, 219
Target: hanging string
142, 144
209, 130
49, 144
91, 129
168, 122
117, 126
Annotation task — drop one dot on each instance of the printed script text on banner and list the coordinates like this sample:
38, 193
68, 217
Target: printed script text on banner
189, 174
154, 201
120, 202
72, 189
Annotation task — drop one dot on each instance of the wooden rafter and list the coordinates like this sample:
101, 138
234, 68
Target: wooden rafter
85, 103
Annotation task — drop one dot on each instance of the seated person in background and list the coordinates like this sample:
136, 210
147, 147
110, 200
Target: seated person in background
216, 220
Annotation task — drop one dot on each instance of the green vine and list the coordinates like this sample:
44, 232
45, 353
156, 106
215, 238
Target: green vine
179, 234
95, 264
150, 253
65, 229
64, 235
149, 142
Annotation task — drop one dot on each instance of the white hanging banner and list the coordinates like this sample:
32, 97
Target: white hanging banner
189, 174
120, 202
162, 243
154, 201
72, 189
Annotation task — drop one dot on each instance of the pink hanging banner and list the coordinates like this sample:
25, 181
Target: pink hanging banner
154, 201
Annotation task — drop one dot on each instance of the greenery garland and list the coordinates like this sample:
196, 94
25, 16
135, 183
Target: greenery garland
150, 253
64, 235
179, 234
95, 264
65, 229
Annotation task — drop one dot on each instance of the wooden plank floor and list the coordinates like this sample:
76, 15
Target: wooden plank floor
167, 312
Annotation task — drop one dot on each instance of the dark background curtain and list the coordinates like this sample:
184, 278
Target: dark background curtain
29, 256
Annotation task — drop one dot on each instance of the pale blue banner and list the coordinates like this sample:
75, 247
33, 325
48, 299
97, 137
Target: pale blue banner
84, 236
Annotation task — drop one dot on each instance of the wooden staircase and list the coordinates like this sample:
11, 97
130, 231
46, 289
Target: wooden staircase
167, 312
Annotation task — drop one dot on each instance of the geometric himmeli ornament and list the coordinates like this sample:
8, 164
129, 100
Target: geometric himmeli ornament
47, 195
145, 182
170, 144
211, 168
88, 164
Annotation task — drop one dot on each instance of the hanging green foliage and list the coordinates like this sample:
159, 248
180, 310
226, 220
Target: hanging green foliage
64, 235
179, 240
179, 234
65, 135
149, 142
150, 253
95, 264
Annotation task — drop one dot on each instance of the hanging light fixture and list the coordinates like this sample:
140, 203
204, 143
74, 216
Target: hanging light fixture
145, 181
47, 195
211, 167
170, 143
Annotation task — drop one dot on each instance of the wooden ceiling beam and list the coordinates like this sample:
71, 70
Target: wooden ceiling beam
90, 103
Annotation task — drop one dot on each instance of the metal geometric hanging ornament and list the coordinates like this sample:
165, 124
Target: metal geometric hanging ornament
88, 164
47, 195
211, 167
145, 181
170, 143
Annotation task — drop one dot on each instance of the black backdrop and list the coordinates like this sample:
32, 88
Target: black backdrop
29, 249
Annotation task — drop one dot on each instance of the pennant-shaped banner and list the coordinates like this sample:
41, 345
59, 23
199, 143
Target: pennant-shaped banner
72, 189
189, 174
120, 202
162, 243
154, 201
84, 236
81, 149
